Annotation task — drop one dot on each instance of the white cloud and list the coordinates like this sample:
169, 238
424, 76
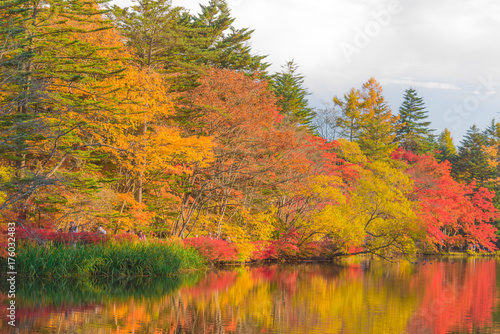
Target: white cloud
414, 83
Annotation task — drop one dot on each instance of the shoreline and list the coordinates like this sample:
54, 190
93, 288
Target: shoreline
161, 259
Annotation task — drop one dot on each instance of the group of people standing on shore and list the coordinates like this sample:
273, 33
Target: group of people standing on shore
141, 235
73, 228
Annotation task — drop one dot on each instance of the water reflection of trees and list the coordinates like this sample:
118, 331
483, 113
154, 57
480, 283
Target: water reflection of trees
441, 297
459, 297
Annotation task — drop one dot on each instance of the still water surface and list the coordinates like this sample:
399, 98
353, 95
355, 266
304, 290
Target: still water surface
436, 296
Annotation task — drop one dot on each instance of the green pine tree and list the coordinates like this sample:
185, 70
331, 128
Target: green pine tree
164, 38
46, 60
151, 30
288, 86
492, 133
414, 133
179, 44
471, 162
228, 47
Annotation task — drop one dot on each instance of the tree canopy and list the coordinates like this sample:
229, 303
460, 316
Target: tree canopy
155, 119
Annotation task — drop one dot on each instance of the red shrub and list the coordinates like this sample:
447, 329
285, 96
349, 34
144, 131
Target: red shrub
126, 237
214, 250
285, 247
288, 248
264, 250
313, 249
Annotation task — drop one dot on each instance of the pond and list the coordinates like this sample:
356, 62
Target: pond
432, 296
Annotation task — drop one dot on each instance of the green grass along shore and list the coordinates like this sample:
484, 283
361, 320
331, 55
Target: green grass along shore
105, 260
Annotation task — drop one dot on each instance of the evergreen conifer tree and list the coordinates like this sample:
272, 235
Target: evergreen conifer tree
175, 42
471, 162
492, 133
227, 46
49, 71
181, 46
413, 134
288, 85
163, 37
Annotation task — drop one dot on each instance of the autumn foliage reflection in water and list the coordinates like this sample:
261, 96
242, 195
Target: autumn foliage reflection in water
439, 297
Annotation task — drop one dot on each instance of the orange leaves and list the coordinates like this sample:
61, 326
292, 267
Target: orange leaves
132, 213
234, 100
252, 152
131, 125
139, 130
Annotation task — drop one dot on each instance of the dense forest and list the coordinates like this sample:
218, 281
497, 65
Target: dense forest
154, 118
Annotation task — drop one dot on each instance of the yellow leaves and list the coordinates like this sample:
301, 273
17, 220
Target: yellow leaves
240, 237
168, 145
147, 92
137, 131
374, 213
380, 207
325, 194
6, 175
337, 222
493, 153
383, 177
141, 96
350, 152
261, 225
326, 187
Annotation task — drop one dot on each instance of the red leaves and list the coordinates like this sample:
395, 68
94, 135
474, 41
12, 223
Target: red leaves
214, 250
288, 247
454, 213
264, 251
126, 237
454, 295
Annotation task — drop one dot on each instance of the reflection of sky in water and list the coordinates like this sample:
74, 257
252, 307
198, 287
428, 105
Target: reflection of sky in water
455, 296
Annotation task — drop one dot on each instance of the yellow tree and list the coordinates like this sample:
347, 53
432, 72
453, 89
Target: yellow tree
376, 213
377, 135
350, 118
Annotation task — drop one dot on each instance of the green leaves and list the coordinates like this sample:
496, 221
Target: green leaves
288, 87
50, 68
414, 133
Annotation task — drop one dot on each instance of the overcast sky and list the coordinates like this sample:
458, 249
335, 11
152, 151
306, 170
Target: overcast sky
448, 50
